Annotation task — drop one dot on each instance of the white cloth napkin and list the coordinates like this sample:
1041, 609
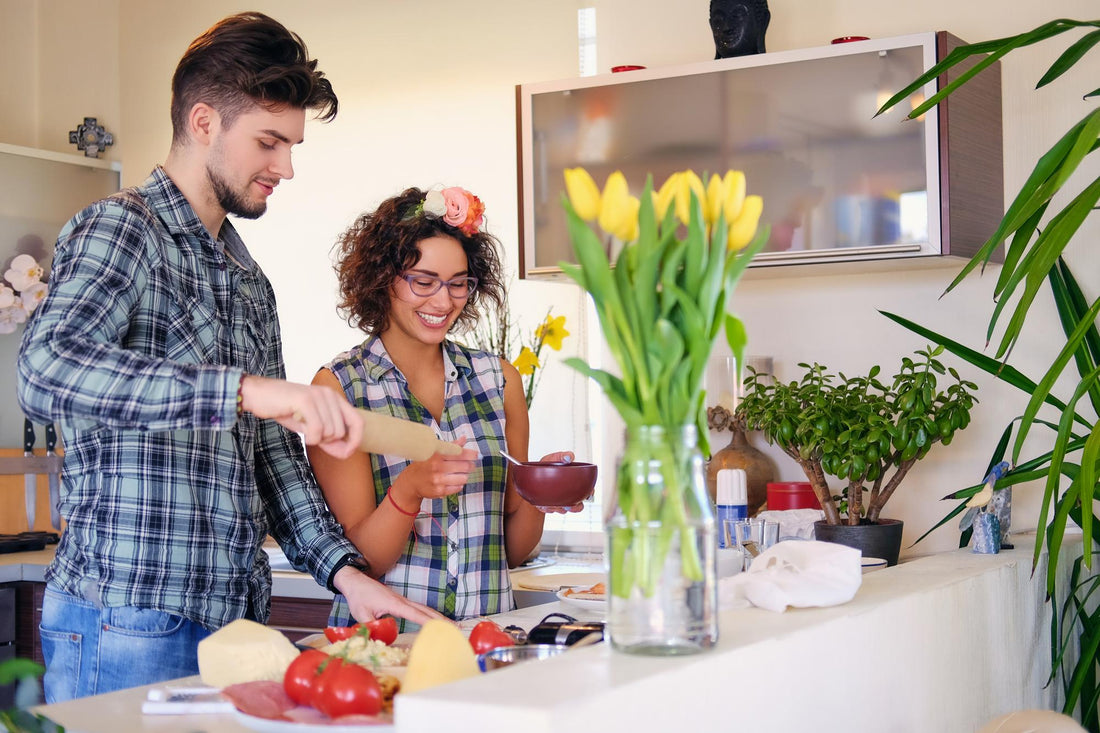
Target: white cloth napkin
799, 574
794, 522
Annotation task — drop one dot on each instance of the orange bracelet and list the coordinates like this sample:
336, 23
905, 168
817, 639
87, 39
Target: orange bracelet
395, 506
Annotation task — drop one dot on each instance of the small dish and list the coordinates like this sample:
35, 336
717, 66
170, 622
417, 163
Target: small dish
589, 601
870, 564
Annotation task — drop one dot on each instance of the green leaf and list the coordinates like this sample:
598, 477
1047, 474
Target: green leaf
1004, 372
737, 338
1069, 57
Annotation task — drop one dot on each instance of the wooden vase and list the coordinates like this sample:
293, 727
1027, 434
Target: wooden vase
759, 469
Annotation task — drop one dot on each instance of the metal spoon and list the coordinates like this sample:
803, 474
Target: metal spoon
513, 460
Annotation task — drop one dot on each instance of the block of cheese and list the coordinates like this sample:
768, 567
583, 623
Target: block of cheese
244, 651
440, 654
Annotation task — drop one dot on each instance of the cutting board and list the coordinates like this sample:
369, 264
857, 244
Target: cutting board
556, 581
13, 514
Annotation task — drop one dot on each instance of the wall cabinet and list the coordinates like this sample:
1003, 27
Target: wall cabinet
839, 185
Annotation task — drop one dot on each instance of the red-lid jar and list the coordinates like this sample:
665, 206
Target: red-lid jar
791, 495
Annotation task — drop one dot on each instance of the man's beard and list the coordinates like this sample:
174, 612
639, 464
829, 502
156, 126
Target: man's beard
231, 201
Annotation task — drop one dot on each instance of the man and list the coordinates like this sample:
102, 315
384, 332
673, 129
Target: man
158, 350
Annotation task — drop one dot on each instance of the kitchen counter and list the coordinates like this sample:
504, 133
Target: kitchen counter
945, 642
31, 566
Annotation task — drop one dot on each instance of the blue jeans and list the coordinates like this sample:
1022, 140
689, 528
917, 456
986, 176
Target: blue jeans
90, 650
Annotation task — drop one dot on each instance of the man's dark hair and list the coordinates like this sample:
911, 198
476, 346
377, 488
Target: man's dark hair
246, 60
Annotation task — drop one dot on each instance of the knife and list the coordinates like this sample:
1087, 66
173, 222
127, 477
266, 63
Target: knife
30, 478
54, 478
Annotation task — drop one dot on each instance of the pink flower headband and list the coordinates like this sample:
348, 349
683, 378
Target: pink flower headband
456, 206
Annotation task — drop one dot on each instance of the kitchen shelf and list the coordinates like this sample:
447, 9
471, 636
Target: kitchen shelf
842, 189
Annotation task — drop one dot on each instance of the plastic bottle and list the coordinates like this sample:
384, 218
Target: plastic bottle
733, 499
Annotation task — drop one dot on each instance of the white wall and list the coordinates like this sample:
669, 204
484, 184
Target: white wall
427, 96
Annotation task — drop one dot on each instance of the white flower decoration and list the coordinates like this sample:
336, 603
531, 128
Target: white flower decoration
434, 203
26, 293
11, 317
24, 272
32, 296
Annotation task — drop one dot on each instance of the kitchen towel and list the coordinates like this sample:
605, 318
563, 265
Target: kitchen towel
794, 523
799, 574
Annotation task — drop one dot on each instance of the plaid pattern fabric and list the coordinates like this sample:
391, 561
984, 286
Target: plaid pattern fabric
137, 352
454, 560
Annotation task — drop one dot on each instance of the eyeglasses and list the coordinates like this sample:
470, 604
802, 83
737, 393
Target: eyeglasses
425, 286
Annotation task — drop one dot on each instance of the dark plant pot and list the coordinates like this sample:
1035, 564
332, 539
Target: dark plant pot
874, 540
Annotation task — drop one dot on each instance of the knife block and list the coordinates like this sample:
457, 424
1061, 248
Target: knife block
13, 515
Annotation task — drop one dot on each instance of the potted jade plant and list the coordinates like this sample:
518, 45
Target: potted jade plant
867, 433
661, 306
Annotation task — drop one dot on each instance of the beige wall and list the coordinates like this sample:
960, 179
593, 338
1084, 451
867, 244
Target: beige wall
427, 96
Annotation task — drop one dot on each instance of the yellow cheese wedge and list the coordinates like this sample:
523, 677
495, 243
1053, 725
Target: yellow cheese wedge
244, 651
440, 654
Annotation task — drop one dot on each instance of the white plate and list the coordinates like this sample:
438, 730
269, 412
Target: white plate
266, 725
873, 563
589, 601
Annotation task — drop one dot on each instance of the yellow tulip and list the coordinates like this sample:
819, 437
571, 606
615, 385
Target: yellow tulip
687, 183
526, 362
743, 228
735, 195
583, 193
666, 195
715, 201
618, 209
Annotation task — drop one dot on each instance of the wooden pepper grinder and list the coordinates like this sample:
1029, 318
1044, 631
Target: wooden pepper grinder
758, 467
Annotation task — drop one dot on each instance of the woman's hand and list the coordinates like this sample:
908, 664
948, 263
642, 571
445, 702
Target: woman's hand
434, 478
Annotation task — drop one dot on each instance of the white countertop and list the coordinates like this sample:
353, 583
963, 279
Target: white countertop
941, 643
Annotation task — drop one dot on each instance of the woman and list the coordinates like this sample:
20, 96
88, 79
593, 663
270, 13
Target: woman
442, 531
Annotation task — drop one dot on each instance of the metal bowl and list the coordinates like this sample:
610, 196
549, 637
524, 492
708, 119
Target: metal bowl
508, 655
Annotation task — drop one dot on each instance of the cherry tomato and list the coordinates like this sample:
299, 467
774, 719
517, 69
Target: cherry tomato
382, 629
347, 689
302, 674
340, 633
487, 636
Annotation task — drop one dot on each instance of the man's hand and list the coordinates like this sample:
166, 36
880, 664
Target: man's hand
367, 599
324, 417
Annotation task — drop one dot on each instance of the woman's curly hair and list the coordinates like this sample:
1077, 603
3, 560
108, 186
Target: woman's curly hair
383, 244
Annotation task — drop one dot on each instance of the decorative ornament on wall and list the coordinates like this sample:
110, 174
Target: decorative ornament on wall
91, 137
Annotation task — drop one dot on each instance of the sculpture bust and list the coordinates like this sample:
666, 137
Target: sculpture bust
738, 26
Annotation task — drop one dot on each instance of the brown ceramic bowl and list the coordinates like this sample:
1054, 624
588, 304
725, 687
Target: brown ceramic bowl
554, 484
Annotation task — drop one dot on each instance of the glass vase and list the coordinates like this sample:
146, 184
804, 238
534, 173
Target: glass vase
661, 547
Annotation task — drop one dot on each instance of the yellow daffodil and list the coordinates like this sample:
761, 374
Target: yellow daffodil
743, 228
734, 182
583, 193
618, 209
526, 362
552, 331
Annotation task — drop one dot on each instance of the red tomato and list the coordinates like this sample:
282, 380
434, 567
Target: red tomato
347, 689
302, 674
339, 633
382, 629
487, 636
